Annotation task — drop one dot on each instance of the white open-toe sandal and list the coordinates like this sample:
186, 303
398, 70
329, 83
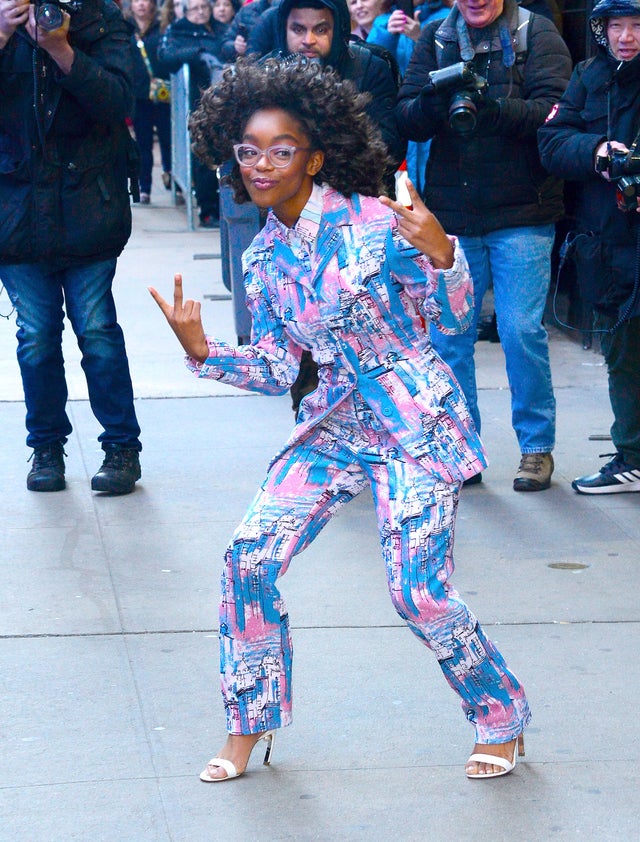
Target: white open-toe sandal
228, 766
506, 764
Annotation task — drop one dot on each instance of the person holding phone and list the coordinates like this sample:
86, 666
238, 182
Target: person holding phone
224, 11
398, 29
236, 41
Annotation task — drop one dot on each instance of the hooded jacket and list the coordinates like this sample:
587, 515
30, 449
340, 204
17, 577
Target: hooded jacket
64, 196
338, 57
369, 73
491, 178
602, 102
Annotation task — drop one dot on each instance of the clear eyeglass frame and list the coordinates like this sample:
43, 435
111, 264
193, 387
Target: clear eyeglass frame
254, 154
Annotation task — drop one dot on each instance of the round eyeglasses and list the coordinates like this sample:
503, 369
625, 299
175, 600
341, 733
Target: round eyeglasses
280, 156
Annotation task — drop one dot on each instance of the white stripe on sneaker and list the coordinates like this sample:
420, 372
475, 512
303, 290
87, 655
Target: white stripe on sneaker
628, 476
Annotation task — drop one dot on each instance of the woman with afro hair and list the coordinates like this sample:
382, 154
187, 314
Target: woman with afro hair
353, 278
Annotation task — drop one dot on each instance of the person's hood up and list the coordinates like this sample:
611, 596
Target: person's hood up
341, 29
606, 9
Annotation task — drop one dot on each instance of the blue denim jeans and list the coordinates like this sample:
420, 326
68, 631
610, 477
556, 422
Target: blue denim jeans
38, 296
518, 263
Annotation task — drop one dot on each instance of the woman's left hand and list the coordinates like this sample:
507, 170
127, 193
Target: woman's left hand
422, 229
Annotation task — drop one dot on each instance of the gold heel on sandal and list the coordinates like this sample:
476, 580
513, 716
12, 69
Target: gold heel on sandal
220, 762
495, 760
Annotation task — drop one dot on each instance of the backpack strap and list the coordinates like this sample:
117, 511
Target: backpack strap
522, 30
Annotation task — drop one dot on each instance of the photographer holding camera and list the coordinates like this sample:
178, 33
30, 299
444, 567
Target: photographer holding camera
592, 137
65, 216
480, 83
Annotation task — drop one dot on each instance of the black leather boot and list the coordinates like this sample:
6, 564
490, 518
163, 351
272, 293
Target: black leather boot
119, 472
47, 468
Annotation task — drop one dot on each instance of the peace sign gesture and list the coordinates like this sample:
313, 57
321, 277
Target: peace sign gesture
185, 320
422, 229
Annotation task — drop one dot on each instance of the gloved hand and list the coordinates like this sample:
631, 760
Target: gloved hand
488, 113
435, 105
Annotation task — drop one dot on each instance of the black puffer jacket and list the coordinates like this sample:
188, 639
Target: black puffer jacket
491, 178
369, 73
63, 187
568, 142
185, 43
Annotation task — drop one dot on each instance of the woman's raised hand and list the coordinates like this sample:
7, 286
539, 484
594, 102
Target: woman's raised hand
422, 229
185, 320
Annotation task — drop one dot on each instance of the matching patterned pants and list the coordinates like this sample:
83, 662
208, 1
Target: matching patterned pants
303, 489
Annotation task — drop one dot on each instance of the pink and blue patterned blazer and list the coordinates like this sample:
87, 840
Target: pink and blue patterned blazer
359, 305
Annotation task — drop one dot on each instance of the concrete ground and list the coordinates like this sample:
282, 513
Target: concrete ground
108, 652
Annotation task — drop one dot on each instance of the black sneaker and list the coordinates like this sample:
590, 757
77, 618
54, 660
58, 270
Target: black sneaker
614, 477
119, 472
47, 469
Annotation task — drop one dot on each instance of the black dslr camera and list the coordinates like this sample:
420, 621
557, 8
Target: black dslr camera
624, 169
49, 14
468, 91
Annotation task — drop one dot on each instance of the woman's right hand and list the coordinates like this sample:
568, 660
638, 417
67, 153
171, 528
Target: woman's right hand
185, 321
422, 229
240, 45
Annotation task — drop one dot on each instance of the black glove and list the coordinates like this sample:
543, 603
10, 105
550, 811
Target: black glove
488, 113
435, 105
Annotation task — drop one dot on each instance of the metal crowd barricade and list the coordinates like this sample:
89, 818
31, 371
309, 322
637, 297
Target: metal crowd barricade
181, 141
238, 226
238, 223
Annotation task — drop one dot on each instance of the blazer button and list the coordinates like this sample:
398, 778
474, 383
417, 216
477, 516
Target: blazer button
387, 411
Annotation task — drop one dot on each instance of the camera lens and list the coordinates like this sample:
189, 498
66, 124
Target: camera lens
49, 17
462, 114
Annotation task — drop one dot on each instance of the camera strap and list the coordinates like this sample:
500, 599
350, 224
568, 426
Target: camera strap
625, 310
11, 312
521, 35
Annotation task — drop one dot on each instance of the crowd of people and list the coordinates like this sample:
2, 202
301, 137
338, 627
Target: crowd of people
376, 299
508, 227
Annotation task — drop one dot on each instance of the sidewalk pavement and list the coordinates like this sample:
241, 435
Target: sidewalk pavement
108, 651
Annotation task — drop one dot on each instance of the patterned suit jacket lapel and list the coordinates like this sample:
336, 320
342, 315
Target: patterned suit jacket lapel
335, 214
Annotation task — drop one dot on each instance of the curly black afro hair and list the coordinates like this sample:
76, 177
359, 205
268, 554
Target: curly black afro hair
330, 111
